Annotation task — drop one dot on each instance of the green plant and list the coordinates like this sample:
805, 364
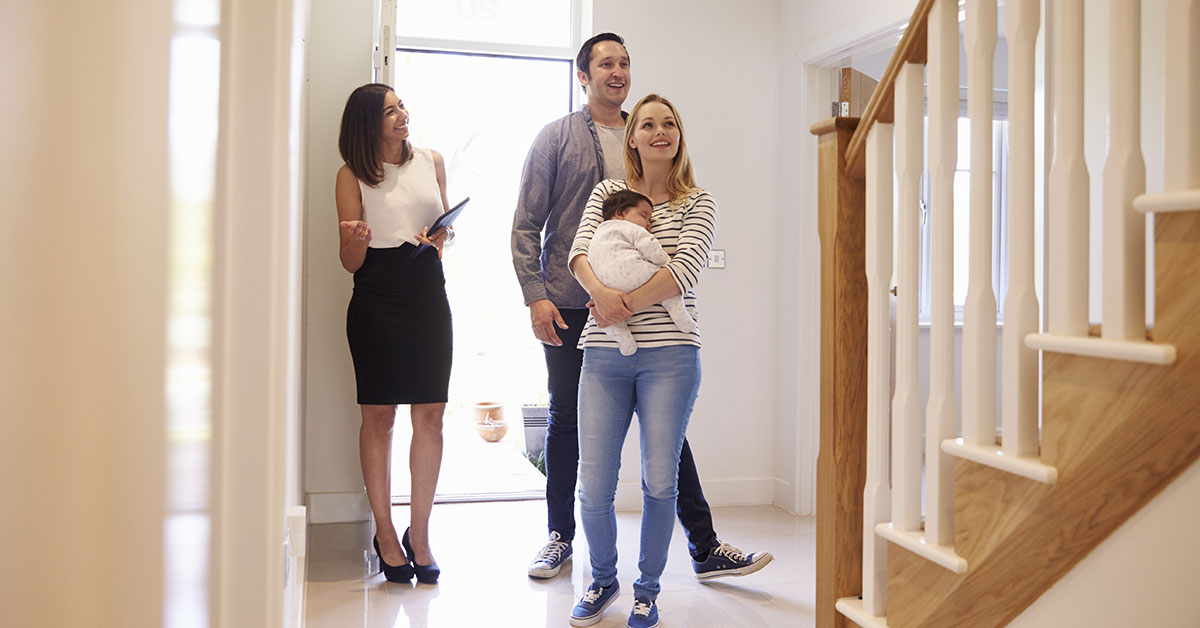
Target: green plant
538, 461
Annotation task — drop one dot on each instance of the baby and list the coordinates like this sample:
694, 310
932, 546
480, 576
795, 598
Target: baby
624, 256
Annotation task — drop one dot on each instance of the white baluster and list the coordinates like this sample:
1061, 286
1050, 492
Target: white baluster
941, 416
1181, 167
1067, 257
1019, 407
877, 493
1124, 230
979, 313
906, 404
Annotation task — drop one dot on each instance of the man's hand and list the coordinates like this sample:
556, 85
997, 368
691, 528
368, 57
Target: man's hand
543, 316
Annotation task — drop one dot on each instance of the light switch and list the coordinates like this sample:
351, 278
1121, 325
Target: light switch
716, 258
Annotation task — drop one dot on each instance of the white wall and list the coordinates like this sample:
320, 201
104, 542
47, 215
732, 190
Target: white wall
718, 62
339, 60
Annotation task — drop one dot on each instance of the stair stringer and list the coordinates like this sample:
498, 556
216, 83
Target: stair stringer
1118, 432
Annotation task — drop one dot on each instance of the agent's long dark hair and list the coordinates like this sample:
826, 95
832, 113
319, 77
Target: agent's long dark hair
358, 141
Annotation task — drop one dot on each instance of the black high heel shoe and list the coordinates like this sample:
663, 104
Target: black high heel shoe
427, 574
393, 573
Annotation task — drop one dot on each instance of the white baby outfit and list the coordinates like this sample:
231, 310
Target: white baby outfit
624, 256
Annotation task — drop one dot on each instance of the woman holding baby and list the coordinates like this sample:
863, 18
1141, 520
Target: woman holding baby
660, 378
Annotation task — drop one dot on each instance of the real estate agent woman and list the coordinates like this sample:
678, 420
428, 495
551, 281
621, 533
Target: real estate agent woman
398, 322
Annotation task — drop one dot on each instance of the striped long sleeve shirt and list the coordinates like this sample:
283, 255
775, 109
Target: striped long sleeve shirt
686, 234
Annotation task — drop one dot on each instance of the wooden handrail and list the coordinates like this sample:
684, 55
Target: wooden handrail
912, 49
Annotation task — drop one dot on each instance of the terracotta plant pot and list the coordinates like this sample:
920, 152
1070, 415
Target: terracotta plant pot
488, 412
491, 432
489, 421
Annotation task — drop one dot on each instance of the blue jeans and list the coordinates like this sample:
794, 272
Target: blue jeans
660, 384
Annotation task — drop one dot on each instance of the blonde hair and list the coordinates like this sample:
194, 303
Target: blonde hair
681, 180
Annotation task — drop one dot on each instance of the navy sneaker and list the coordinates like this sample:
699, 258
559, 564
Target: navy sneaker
643, 615
550, 560
591, 606
727, 560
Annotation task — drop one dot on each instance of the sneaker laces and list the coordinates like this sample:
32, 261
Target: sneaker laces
731, 552
592, 594
642, 608
553, 550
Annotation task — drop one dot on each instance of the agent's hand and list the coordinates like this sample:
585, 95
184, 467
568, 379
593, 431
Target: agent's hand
609, 307
437, 240
355, 230
543, 316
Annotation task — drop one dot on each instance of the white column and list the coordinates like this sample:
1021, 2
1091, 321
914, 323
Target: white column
979, 316
1019, 405
256, 279
83, 266
941, 415
1181, 168
906, 402
1067, 237
877, 492
1124, 230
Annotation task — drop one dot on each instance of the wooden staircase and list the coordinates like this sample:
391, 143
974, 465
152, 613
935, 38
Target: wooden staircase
1115, 430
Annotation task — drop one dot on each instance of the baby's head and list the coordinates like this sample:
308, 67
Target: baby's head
628, 205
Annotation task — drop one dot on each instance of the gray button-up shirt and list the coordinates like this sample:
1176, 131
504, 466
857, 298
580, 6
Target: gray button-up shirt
563, 165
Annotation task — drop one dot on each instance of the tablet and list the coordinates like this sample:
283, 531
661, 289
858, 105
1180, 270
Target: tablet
445, 220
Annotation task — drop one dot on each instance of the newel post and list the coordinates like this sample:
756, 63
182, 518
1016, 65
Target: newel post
841, 460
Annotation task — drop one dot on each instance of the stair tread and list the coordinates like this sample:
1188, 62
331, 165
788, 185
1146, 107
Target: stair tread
1142, 351
1177, 201
993, 456
914, 541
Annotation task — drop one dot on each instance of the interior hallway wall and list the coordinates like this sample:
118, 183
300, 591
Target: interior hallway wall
339, 59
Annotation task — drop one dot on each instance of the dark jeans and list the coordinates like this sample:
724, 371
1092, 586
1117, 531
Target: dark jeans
562, 448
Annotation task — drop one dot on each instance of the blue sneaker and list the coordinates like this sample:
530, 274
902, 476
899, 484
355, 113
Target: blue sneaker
591, 606
644, 614
727, 560
550, 560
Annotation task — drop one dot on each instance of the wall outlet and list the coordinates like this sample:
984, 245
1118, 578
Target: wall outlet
716, 258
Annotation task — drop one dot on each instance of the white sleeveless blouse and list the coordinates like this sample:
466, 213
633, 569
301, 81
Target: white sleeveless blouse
406, 201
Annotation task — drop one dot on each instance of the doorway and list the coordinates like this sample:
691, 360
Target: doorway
482, 112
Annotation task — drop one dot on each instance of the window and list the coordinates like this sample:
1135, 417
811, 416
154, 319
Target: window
962, 220
473, 24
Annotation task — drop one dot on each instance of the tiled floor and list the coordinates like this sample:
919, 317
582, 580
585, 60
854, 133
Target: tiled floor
483, 549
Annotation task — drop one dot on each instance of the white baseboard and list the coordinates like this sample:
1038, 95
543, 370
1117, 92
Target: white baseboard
786, 496
346, 507
732, 492
296, 541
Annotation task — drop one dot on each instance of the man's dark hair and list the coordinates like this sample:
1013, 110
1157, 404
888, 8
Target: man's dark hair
620, 201
583, 60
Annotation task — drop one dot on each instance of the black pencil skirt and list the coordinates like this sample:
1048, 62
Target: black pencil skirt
399, 328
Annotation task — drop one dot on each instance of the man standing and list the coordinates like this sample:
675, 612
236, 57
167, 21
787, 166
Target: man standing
568, 158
